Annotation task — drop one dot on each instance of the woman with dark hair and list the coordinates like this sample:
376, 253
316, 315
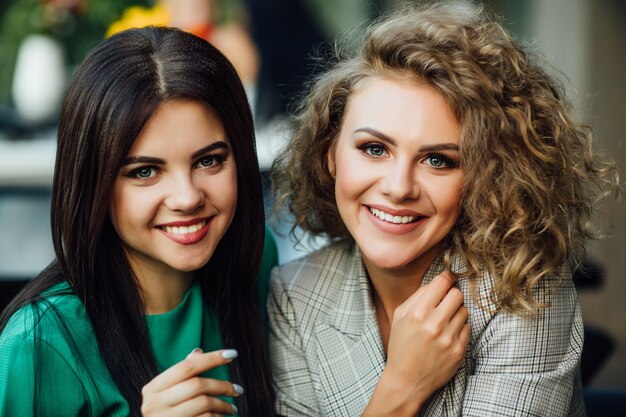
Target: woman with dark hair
445, 166
158, 229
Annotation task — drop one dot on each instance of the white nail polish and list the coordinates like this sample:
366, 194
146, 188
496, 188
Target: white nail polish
229, 354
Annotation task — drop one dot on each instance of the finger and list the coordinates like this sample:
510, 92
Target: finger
449, 305
431, 294
465, 334
196, 386
204, 404
194, 364
458, 322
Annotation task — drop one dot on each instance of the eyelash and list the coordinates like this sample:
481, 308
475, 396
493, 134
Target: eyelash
217, 160
135, 172
367, 147
446, 160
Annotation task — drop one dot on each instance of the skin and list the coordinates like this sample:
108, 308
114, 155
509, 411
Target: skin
179, 391
173, 201
175, 175
397, 157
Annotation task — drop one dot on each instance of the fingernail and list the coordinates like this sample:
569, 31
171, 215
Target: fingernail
238, 389
229, 354
196, 350
234, 408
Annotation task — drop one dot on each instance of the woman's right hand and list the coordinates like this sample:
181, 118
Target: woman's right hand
428, 340
180, 391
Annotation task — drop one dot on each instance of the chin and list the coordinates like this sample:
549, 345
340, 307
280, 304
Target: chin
189, 267
388, 261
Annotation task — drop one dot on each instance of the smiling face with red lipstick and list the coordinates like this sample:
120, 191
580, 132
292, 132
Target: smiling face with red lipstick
176, 194
397, 175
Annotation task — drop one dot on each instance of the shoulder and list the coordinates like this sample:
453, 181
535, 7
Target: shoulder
37, 352
57, 320
559, 316
309, 289
55, 303
319, 272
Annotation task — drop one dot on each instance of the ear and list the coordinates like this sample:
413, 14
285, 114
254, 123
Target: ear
330, 158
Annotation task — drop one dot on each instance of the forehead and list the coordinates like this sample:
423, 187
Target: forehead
400, 107
178, 123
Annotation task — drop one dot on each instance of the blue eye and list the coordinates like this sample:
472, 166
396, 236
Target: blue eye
375, 150
143, 172
438, 160
207, 161
210, 161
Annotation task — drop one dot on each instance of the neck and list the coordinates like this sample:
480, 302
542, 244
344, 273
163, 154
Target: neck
162, 291
163, 295
392, 287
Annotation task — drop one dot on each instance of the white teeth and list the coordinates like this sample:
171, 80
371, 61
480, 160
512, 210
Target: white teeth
183, 230
392, 219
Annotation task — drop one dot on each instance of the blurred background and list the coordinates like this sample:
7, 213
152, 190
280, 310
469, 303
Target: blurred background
271, 44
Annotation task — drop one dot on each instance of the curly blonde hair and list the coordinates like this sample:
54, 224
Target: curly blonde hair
531, 179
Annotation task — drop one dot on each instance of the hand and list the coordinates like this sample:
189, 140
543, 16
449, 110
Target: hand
179, 391
427, 343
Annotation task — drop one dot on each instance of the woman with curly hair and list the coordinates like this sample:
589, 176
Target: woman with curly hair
444, 165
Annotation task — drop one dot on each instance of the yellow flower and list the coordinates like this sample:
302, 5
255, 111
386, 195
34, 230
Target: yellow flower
138, 17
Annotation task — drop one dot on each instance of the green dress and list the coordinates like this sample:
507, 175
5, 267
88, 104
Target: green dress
72, 378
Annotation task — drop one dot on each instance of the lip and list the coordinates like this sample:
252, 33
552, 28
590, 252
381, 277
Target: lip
187, 238
394, 212
394, 228
184, 222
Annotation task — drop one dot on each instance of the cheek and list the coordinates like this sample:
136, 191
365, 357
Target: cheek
133, 208
227, 198
449, 199
116, 208
351, 177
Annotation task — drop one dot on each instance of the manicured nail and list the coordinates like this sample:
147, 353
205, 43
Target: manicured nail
234, 408
238, 389
193, 352
229, 354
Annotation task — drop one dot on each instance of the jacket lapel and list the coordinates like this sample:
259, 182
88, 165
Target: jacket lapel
350, 351
351, 356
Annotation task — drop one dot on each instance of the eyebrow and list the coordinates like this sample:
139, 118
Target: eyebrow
158, 161
220, 144
427, 148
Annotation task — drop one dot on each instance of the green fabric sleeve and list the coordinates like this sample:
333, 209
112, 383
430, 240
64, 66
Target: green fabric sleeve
37, 380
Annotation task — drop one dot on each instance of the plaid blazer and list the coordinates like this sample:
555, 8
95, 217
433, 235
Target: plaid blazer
327, 354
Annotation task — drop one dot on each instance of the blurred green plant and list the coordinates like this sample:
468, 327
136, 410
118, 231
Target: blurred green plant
77, 24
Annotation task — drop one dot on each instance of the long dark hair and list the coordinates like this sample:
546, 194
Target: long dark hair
111, 97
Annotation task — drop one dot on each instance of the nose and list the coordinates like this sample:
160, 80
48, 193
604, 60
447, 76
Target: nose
400, 182
184, 195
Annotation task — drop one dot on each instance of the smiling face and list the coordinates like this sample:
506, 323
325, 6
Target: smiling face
176, 194
397, 175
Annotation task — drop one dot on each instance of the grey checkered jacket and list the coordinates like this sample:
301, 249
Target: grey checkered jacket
327, 354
